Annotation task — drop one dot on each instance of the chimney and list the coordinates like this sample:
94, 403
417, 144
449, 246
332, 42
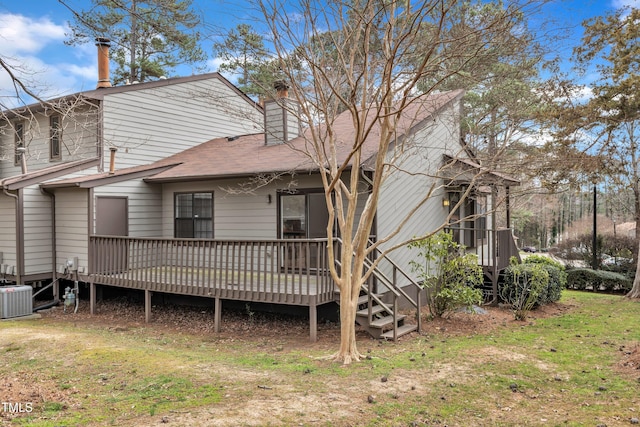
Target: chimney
22, 152
282, 89
281, 122
112, 160
103, 62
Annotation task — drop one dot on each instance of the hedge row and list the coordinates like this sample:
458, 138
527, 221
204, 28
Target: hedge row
597, 280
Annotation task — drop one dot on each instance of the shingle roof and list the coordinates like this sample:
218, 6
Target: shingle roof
99, 94
106, 178
51, 172
248, 155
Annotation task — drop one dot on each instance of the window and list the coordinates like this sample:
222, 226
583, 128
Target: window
19, 141
303, 215
194, 215
55, 130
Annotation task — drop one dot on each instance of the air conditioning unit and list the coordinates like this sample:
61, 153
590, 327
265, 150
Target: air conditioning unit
15, 301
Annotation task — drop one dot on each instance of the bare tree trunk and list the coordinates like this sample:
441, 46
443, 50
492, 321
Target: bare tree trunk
348, 351
635, 290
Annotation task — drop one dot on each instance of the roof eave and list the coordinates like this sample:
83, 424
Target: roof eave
107, 180
37, 178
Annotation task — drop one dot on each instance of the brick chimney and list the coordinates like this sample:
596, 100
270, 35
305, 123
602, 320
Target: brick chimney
103, 62
281, 116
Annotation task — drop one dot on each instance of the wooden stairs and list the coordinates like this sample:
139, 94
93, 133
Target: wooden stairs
380, 320
379, 315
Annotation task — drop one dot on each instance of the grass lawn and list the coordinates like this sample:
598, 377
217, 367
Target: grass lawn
578, 368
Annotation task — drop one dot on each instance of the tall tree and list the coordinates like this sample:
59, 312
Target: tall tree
367, 57
243, 52
607, 126
149, 37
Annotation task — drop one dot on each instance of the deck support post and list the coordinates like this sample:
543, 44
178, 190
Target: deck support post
313, 319
147, 306
92, 298
217, 314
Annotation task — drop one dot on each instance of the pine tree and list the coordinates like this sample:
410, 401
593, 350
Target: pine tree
149, 37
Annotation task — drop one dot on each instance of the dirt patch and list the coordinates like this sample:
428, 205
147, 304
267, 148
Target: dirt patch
490, 319
629, 363
26, 391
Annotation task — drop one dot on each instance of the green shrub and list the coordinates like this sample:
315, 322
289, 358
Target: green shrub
557, 278
541, 259
450, 276
524, 286
597, 280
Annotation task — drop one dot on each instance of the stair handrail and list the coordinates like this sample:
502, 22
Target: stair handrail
373, 297
392, 286
412, 282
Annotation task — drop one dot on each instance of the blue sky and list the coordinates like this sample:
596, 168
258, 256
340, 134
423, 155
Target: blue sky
32, 33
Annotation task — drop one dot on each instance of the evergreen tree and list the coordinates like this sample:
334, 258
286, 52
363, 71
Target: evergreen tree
149, 37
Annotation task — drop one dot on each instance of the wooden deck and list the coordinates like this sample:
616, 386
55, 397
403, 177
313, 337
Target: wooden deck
290, 272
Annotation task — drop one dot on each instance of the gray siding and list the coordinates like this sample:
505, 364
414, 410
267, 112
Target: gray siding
38, 237
72, 207
151, 124
78, 139
144, 203
242, 215
8, 230
281, 121
419, 161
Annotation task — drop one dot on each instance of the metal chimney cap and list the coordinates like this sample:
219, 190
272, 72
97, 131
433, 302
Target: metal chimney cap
280, 85
103, 41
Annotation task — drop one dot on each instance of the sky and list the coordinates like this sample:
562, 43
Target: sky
32, 34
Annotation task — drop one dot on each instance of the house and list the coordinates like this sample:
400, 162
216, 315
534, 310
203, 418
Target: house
44, 234
130, 196
244, 218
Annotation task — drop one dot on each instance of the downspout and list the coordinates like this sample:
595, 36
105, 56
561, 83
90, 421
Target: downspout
54, 254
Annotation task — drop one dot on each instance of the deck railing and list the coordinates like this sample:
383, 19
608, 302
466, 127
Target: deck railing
290, 271
494, 248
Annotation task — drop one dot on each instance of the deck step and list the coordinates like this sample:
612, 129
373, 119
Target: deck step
374, 310
364, 299
402, 330
386, 321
